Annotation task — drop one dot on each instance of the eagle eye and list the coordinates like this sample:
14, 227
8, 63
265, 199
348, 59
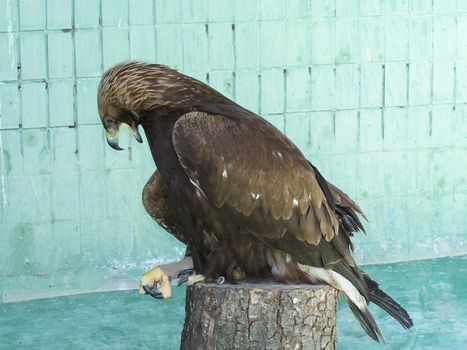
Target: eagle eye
109, 123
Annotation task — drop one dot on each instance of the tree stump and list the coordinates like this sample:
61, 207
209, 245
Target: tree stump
259, 316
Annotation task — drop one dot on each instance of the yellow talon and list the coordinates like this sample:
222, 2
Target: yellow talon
151, 279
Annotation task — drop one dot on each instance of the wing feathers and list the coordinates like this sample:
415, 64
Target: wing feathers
257, 172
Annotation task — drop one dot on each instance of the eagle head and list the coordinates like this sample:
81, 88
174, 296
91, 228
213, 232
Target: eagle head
130, 91
120, 100
113, 118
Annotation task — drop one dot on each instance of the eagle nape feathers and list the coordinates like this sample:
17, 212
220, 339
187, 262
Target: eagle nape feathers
236, 190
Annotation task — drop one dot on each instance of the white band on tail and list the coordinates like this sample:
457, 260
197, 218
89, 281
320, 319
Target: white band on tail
337, 281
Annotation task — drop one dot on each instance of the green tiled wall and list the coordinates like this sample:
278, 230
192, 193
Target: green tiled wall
373, 91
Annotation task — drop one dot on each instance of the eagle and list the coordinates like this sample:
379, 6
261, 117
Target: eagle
235, 190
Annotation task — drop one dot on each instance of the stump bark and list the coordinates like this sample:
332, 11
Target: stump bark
259, 316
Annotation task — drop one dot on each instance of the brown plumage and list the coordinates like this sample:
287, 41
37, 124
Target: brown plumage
236, 190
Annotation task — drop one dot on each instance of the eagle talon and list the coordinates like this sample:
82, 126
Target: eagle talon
153, 292
184, 275
186, 272
156, 283
221, 280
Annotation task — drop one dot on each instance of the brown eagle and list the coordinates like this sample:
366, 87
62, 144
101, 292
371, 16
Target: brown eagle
237, 191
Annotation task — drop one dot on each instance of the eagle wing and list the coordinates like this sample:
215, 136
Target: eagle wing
251, 170
158, 205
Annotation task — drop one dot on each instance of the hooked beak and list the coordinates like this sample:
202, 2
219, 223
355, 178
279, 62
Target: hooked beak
112, 131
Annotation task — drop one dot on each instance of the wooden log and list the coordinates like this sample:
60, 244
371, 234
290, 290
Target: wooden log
259, 316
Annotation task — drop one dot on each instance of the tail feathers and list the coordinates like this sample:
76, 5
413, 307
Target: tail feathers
367, 321
354, 298
388, 304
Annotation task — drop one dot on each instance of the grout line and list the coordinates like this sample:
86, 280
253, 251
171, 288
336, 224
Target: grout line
284, 111
456, 55
156, 49
383, 100
76, 125
455, 83
430, 132
430, 118
310, 100
334, 71
153, 26
47, 87
208, 48
359, 106
126, 26
234, 47
260, 59
128, 29
101, 43
20, 93
101, 37
259, 90
48, 121
366, 109
182, 39
407, 83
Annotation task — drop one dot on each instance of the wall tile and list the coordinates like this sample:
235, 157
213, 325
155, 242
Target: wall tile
347, 86
443, 81
10, 106
33, 56
322, 41
420, 83
141, 11
61, 102
298, 89
114, 13
371, 81
9, 21
32, 14
11, 152
34, 105
87, 101
64, 147
247, 45
8, 58
322, 87
346, 137
88, 53
396, 84
195, 11
272, 91
272, 43
87, 13
59, 14
347, 47
60, 65
247, 89
168, 50
221, 49
115, 46
143, 43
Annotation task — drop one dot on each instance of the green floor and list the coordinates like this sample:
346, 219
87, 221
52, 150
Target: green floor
433, 291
